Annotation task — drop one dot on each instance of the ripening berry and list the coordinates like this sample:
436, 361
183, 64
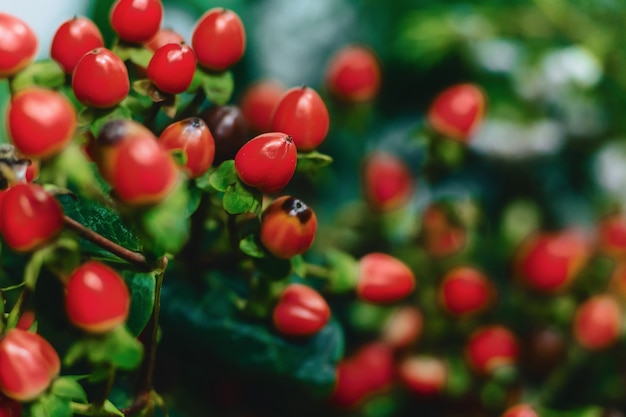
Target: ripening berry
219, 39
383, 278
457, 111
520, 410
465, 291
136, 20
73, 39
491, 347
403, 328
598, 322
258, 103
387, 181
300, 311
100, 79
611, 235
353, 74
229, 129
441, 237
28, 364
171, 59
288, 227
18, 47
424, 375
194, 139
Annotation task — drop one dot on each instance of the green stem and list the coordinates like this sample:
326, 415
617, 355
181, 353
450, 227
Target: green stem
31, 273
193, 107
108, 385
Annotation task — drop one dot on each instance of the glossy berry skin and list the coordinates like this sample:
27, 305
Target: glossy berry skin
465, 291
100, 79
387, 182
288, 227
549, 262
302, 114
219, 39
258, 103
193, 137
73, 39
611, 235
171, 59
9, 407
364, 373
162, 38
129, 157
267, 162
96, 298
491, 347
404, 328
230, 131
28, 364
300, 311
136, 21
598, 322
457, 111
40, 122
353, 74
383, 278
18, 47
423, 375
520, 410
30, 217
441, 237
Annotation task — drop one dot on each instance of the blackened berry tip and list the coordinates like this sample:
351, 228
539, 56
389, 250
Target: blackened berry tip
112, 132
295, 207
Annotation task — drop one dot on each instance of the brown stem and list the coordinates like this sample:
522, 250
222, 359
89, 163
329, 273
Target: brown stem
135, 258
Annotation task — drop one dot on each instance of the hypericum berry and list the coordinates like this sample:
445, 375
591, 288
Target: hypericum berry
457, 111
163, 37
491, 347
10, 407
230, 131
302, 114
96, 298
258, 103
18, 47
383, 278
465, 291
520, 410
288, 227
387, 181
300, 311
171, 59
353, 74
219, 39
26, 321
545, 349
28, 364
440, 236
548, 262
32, 171
40, 122
30, 217
403, 328
100, 79
73, 39
267, 161
366, 372
194, 139
598, 322
136, 20
424, 375
130, 158
611, 232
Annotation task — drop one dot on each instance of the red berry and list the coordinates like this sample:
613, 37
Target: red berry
96, 298
100, 79
302, 114
548, 262
598, 322
130, 158
300, 311
32, 171
457, 111
267, 162
9, 407
288, 227
230, 131
219, 39
29, 217
465, 291
40, 122
423, 375
387, 181
366, 372
491, 347
520, 410
18, 47
162, 38
170, 59
28, 363
353, 74
26, 321
612, 235
73, 39
258, 103
136, 20
193, 137
441, 237
383, 278
404, 328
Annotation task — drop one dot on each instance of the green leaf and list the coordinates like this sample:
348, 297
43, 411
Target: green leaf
224, 176
310, 162
51, 405
142, 286
252, 247
343, 271
110, 408
44, 73
218, 87
137, 55
68, 388
118, 348
240, 198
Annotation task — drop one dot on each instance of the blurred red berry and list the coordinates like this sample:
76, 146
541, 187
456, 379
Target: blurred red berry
136, 20
18, 47
258, 103
423, 375
457, 111
383, 278
403, 328
465, 291
520, 410
598, 322
353, 74
491, 347
387, 181
300, 311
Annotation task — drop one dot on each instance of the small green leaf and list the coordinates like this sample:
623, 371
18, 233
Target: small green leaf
240, 198
118, 348
343, 271
44, 73
224, 176
110, 408
140, 56
251, 247
218, 87
142, 286
51, 405
310, 162
180, 156
68, 388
